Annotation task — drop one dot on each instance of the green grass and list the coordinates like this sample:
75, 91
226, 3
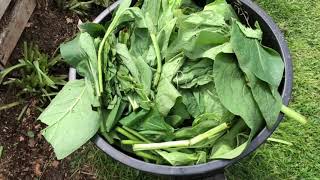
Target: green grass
300, 21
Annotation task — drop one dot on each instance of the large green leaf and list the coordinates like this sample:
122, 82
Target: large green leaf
266, 96
199, 30
265, 63
81, 54
234, 92
73, 54
70, 118
166, 93
153, 9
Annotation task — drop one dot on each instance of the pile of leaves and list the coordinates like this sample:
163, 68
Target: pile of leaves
170, 82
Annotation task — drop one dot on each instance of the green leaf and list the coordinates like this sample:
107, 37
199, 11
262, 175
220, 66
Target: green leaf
88, 46
140, 43
251, 33
133, 118
209, 102
73, 54
94, 29
193, 74
178, 158
137, 67
265, 63
267, 98
6, 71
47, 80
223, 8
70, 118
115, 114
209, 51
166, 93
154, 121
202, 157
190, 102
174, 120
199, 30
152, 9
230, 153
178, 114
234, 93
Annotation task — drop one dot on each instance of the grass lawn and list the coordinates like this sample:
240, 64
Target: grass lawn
300, 22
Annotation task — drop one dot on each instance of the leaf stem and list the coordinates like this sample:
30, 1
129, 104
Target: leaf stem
181, 143
147, 156
293, 114
101, 46
125, 133
159, 63
279, 141
209, 133
135, 133
131, 142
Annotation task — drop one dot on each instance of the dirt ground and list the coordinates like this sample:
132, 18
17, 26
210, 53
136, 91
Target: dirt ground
26, 154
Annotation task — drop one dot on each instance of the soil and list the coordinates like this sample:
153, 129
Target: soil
48, 27
26, 154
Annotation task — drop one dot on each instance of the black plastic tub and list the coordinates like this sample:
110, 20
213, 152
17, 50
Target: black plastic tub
248, 12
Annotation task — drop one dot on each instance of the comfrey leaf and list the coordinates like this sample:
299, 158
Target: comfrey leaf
234, 93
70, 118
265, 63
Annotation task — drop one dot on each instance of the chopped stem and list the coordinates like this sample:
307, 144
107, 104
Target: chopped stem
294, 115
131, 142
279, 141
125, 133
135, 133
208, 134
181, 143
147, 156
163, 145
159, 63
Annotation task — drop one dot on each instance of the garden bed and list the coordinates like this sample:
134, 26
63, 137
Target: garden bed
26, 153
